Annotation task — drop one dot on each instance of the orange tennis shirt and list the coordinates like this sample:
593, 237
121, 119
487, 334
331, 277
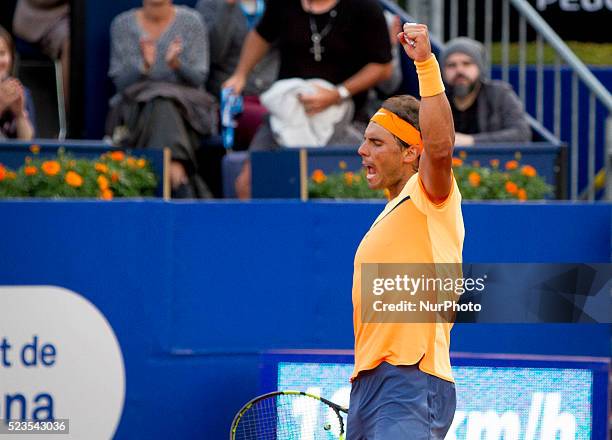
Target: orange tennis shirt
411, 229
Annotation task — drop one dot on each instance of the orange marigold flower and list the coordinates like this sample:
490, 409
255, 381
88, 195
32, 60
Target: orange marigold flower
474, 179
319, 176
511, 187
102, 183
2, 172
28, 160
494, 163
35, 149
457, 162
462, 154
131, 162
141, 163
117, 156
342, 165
107, 194
356, 178
51, 167
522, 194
115, 176
528, 171
73, 179
30, 170
512, 165
11, 175
349, 178
101, 167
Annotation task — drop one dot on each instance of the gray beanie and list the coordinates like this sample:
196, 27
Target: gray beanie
471, 48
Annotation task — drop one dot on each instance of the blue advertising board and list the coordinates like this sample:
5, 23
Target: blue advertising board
498, 396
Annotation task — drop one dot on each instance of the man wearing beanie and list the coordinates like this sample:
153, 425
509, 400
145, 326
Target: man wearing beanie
484, 110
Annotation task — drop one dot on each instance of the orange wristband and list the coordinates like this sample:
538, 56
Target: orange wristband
430, 79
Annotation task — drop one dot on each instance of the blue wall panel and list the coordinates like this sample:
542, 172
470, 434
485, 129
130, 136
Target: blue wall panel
195, 290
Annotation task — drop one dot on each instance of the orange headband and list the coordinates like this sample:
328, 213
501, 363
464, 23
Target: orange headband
398, 127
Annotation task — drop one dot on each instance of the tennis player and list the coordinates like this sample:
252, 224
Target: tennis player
402, 385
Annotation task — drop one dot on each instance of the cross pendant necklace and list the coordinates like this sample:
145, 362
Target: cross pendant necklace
316, 49
317, 37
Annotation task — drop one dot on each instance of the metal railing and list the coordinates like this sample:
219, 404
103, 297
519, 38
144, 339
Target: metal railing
599, 98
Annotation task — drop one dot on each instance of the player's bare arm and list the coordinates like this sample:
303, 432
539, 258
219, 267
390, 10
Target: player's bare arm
435, 120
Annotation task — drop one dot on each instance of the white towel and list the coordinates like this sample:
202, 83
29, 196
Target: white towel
290, 124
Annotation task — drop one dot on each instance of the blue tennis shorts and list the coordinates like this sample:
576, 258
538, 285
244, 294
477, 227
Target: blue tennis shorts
400, 403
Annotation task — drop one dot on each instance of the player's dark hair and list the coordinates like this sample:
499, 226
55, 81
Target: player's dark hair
405, 107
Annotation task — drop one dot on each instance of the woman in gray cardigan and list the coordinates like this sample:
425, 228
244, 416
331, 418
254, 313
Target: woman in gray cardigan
159, 64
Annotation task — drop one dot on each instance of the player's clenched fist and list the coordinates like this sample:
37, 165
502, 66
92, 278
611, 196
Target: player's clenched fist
415, 40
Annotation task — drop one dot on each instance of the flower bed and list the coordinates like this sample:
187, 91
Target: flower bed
113, 174
496, 181
508, 181
341, 185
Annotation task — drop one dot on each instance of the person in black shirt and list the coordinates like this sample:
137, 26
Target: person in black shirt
345, 42
484, 110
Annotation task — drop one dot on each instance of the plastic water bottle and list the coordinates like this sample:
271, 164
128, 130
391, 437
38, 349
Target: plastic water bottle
231, 105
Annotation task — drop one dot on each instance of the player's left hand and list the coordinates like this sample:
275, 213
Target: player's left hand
320, 100
415, 40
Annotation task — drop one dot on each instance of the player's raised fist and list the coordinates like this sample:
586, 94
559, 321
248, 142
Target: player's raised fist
415, 40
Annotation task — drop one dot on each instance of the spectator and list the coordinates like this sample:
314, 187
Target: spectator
484, 110
318, 39
159, 62
16, 107
47, 24
229, 22
389, 87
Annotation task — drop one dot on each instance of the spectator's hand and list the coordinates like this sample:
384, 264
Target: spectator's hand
236, 82
172, 54
320, 100
5, 99
464, 140
148, 47
415, 40
13, 96
178, 175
